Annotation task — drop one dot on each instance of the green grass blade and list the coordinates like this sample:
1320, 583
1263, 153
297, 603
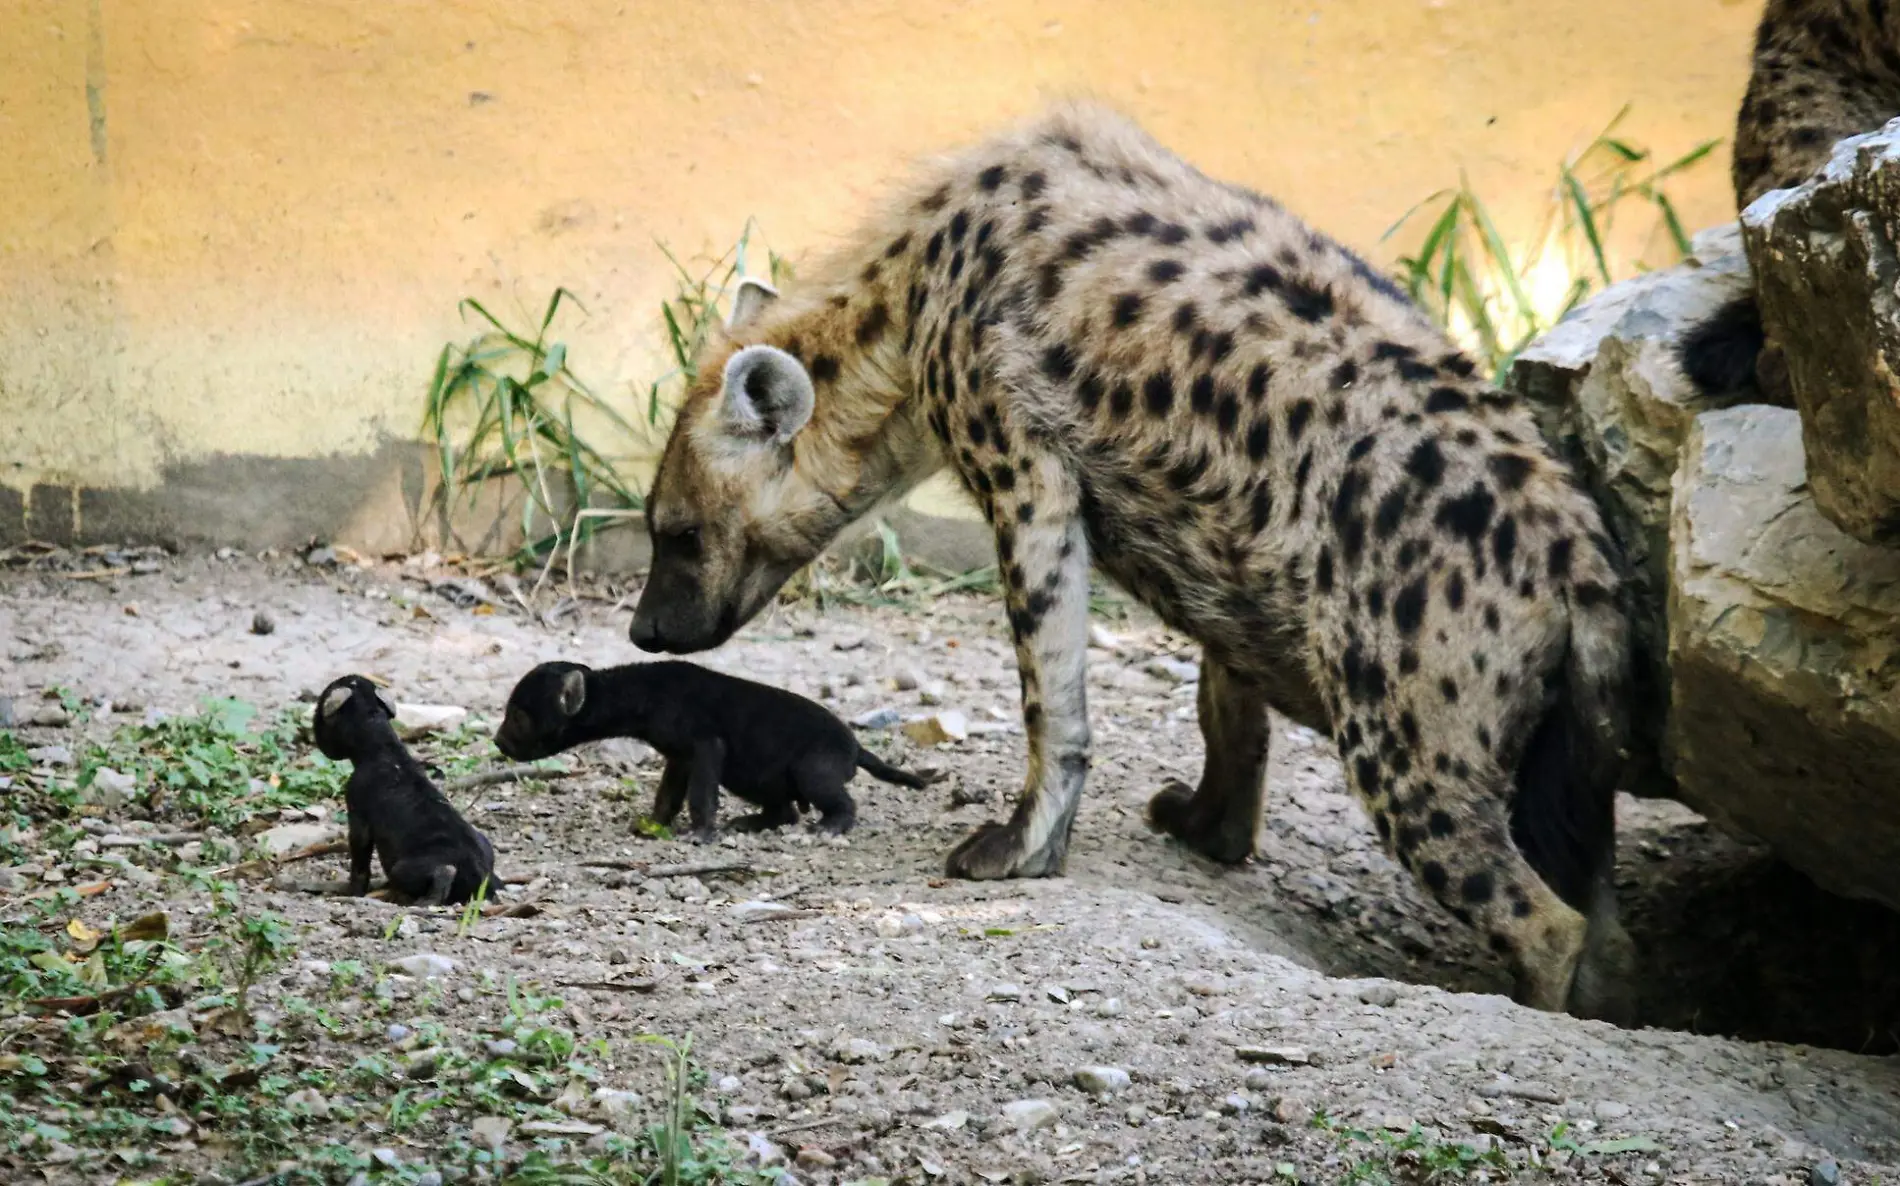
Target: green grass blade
1407, 216
1676, 232
1685, 160
1501, 257
1580, 202
514, 339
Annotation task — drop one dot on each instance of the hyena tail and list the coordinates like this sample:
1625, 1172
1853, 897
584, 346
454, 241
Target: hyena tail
1718, 355
1563, 816
883, 771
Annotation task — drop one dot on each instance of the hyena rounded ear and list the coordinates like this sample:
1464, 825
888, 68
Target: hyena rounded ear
752, 298
573, 693
389, 706
768, 394
334, 702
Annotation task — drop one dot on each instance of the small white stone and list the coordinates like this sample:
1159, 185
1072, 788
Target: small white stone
1102, 1081
1029, 1115
424, 965
852, 1051
419, 720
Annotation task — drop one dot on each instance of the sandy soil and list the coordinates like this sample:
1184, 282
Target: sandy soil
894, 1023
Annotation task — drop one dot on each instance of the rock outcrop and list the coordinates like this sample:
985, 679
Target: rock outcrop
1784, 655
1826, 258
1609, 395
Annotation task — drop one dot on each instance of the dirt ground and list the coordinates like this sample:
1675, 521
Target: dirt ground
883, 1022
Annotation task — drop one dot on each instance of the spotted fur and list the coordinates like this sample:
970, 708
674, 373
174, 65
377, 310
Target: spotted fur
1824, 70
1134, 366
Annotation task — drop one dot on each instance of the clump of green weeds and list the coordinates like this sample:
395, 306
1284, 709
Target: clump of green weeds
250, 944
218, 768
1467, 277
1383, 1158
519, 393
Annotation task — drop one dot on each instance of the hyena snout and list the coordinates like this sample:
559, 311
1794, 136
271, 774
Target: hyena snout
672, 620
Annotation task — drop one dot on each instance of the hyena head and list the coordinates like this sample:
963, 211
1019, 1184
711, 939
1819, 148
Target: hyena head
735, 509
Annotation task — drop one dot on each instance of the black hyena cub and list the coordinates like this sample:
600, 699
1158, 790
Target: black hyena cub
429, 852
773, 748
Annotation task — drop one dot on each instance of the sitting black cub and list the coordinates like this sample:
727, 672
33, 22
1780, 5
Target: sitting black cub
772, 748
429, 853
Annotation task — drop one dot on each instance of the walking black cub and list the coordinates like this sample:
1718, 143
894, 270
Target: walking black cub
772, 748
429, 852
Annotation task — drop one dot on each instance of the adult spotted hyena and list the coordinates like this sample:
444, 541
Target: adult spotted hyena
1135, 366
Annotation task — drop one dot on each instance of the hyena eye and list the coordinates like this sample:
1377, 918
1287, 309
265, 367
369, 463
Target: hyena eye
681, 540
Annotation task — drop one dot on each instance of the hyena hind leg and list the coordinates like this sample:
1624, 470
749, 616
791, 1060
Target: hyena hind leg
1221, 818
1457, 843
1604, 988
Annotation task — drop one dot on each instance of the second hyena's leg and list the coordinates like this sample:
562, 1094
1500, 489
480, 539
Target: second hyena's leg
1221, 817
1043, 555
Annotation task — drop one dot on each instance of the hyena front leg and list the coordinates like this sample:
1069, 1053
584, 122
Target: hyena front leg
1221, 818
1043, 555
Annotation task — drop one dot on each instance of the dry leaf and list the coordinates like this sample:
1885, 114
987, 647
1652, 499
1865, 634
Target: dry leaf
84, 937
156, 925
51, 961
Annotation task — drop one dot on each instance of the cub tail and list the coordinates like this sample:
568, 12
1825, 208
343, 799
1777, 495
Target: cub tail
883, 771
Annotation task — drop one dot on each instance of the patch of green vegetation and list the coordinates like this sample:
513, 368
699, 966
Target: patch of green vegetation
1466, 276
134, 965
1384, 1158
517, 395
317, 1089
218, 768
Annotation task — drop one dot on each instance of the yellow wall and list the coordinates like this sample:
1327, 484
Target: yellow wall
242, 226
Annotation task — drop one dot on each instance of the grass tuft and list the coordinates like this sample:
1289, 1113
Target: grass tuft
1465, 275
503, 405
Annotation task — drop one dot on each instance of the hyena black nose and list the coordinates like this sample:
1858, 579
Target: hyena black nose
645, 634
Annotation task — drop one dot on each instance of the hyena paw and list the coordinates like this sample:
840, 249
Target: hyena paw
995, 851
1197, 821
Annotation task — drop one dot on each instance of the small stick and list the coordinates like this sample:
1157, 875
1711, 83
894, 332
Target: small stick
489, 778
93, 574
323, 848
81, 1006
809, 1125
643, 985
786, 916
654, 871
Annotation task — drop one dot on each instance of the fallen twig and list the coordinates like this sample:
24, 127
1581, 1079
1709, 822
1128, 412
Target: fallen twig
807, 1126
85, 891
782, 915
94, 574
489, 778
643, 985
323, 848
654, 871
82, 1006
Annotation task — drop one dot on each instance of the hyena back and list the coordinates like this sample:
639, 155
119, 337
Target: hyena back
1133, 366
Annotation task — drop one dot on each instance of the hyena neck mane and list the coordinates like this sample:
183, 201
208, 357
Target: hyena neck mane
852, 329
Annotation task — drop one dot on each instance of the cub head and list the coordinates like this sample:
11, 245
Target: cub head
735, 509
349, 709
541, 710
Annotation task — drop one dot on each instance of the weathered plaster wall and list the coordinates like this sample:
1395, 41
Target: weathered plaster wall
233, 232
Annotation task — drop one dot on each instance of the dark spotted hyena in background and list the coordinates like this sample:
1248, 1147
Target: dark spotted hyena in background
1134, 366
1824, 70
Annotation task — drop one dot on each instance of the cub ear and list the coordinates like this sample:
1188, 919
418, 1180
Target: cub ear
388, 705
573, 693
768, 395
335, 701
752, 299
